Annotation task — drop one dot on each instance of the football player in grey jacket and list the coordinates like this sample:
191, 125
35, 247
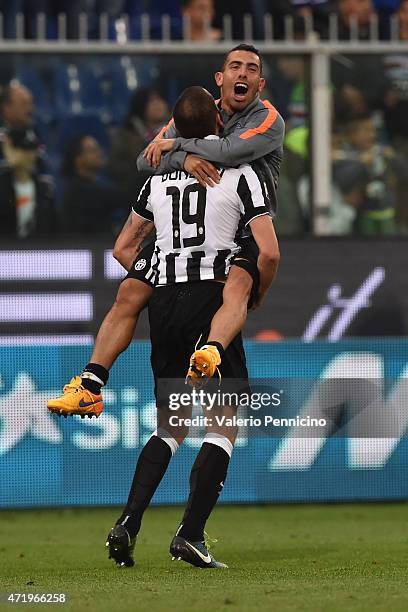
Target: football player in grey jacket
252, 131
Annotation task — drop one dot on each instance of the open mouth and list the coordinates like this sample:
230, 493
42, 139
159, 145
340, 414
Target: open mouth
240, 90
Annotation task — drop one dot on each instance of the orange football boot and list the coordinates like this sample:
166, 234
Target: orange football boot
203, 365
76, 400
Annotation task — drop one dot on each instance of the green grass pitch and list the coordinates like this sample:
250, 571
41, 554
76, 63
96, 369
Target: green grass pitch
317, 558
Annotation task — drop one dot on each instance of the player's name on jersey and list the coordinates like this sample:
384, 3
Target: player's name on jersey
179, 175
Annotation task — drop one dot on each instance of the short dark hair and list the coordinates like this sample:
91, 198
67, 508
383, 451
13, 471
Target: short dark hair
243, 47
195, 113
139, 102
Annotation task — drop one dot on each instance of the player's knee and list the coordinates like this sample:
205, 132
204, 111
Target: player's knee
178, 432
238, 286
230, 433
181, 434
173, 422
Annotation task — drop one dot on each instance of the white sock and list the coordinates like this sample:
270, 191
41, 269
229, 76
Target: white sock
221, 441
164, 435
92, 376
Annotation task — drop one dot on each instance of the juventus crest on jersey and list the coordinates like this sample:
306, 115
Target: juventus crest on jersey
196, 226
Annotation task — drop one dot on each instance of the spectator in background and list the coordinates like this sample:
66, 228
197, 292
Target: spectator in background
27, 205
396, 95
148, 113
293, 103
352, 76
290, 95
355, 13
200, 14
17, 112
366, 174
307, 8
402, 14
88, 205
236, 9
278, 9
317, 10
16, 106
395, 106
52, 8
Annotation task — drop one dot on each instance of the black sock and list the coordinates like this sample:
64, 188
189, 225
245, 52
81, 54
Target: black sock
150, 469
217, 345
93, 385
206, 481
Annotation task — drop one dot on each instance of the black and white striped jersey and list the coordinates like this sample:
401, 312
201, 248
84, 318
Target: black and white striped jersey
196, 226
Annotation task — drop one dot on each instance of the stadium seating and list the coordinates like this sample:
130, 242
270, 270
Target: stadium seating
86, 123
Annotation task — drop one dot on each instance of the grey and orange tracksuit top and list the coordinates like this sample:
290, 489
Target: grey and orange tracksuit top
254, 136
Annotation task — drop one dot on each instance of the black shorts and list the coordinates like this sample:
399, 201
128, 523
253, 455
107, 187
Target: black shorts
247, 259
179, 315
142, 268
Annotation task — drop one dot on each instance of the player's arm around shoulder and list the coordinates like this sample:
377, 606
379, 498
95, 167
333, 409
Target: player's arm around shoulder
256, 135
161, 159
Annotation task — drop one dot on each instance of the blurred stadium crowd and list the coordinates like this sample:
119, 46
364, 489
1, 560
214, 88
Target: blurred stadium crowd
211, 13
73, 125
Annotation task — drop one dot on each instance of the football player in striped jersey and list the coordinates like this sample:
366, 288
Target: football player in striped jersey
252, 132
196, 229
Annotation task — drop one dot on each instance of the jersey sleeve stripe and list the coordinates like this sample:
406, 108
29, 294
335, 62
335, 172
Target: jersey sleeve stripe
164, 130
141, 206
262, 214
144, 215
266, 123
251, 209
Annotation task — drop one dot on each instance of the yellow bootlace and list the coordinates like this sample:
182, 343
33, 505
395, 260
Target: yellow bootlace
73, 387
208, 541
